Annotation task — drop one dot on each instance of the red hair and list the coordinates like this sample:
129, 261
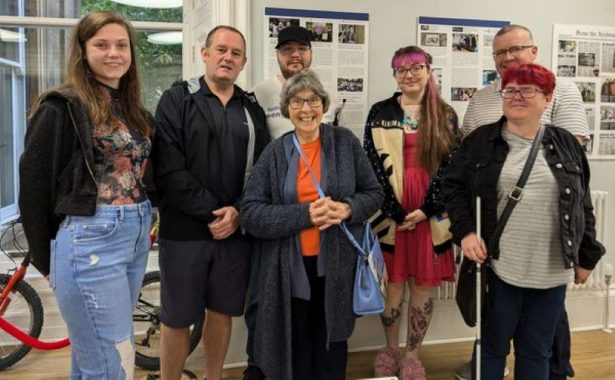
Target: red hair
530, 73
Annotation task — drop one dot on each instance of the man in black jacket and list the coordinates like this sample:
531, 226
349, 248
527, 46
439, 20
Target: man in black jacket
209, 133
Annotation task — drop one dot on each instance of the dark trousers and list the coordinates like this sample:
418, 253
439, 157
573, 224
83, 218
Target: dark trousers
530, 317
312, 359
560, 360
252, 372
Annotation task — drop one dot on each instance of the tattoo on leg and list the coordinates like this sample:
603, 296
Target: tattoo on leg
390, 320
419, 319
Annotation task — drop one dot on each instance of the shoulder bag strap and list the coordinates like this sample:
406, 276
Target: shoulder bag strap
515, 195
321, 194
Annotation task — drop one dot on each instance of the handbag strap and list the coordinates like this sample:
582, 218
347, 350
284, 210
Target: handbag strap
361, 250
515, 195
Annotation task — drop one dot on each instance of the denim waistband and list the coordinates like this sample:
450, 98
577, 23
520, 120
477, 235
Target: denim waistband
123, 211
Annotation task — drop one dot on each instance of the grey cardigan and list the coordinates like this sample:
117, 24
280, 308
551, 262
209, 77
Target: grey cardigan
349, 178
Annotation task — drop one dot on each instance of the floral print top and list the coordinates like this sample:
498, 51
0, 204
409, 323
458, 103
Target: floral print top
120, 158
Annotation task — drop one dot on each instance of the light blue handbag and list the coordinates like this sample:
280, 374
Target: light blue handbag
370, 275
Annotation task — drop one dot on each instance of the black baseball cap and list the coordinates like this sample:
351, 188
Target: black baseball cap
293, 33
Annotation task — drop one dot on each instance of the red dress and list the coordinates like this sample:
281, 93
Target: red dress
414, 255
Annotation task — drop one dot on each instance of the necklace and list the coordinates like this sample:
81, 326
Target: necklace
410, 122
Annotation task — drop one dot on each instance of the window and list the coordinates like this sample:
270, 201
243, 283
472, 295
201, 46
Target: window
33, 58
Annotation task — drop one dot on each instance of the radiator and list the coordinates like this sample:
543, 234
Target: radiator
595, 281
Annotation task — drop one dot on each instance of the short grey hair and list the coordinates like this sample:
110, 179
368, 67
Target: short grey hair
304, 80
511, 27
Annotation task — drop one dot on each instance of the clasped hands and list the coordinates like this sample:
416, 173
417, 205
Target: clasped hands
325, 212
411, 220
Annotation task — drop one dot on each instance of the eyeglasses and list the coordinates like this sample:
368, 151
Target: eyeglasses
297, 103
289, 50
525, 92
513, 50
414, 70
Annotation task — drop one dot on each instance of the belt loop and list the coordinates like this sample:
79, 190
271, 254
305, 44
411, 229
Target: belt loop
121, 212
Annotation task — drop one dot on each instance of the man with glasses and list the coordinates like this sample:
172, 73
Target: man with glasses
514, 44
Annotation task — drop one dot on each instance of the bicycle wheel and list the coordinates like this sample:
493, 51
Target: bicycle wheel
25, 311
147, 324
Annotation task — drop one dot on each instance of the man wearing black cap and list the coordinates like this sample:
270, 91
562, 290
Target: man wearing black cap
294, 53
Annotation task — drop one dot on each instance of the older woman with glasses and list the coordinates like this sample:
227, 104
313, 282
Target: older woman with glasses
408, 139
305, 310
549, 237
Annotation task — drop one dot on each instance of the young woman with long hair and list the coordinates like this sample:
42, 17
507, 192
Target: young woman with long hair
83, 203
409, 138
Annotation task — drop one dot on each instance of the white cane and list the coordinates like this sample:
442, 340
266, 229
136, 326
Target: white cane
478, 294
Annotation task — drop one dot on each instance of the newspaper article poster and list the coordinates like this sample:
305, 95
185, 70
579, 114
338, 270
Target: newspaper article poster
461, 51
339, 56
585, 54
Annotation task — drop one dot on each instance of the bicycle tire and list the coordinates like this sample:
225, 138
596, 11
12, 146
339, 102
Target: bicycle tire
25, 312
146, 323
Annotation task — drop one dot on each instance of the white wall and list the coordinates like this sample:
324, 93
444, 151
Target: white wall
393, 25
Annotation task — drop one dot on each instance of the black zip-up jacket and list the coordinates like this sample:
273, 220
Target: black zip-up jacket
475, 171
189, 159
56, 172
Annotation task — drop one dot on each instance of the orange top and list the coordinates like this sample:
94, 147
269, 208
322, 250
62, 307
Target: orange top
306, 192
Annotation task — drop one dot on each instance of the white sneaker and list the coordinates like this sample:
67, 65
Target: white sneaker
464, 371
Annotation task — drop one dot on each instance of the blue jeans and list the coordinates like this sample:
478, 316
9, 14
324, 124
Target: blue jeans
97, 265
527, 316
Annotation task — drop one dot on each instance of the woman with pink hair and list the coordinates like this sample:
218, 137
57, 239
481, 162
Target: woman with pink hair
409, 139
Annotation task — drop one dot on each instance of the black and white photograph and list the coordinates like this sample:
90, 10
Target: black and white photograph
433, 39
567, 46
350, 84
566, 71
465, 42
351, 34
276, 24
587, 59
607, 118
588, 91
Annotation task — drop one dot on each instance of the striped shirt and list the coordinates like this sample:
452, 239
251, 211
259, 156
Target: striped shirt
531, 251
566, 110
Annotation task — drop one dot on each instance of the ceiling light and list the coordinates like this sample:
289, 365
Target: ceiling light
165, 38
152, 3
10, 36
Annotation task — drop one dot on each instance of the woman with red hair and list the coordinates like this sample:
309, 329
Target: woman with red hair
549, 237
409, 138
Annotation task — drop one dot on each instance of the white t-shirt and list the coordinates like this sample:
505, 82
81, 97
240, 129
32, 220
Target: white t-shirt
267, 93
566, 109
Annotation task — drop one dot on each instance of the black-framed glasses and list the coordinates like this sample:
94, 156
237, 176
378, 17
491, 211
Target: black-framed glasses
402, 71
525, 92
297, 102
513, 50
